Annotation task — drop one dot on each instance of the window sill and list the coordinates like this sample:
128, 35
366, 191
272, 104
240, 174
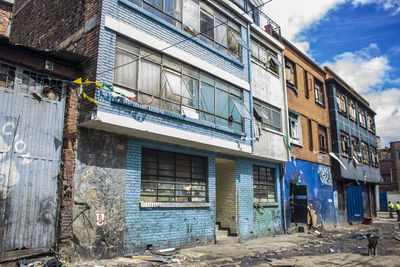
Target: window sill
132, 104
175, 204
266, 128
293, 87
320, 104
296, 142
188, 36
267, 204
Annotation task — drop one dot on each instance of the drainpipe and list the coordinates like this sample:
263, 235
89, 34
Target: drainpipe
250, 87
283, 166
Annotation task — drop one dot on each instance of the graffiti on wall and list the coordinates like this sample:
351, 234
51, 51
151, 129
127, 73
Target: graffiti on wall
325, 175
11, 143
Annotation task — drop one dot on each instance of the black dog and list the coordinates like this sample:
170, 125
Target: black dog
372, 243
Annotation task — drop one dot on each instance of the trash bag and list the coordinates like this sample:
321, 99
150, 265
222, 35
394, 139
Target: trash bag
53, 263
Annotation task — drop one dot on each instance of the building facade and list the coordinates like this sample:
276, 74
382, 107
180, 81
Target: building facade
308, 179
6, 7
354, 142
169, 150
389, 163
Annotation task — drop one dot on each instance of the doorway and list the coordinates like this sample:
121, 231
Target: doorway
298, 203
226, 195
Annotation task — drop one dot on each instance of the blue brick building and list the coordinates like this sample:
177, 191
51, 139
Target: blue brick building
171, 150
356, 170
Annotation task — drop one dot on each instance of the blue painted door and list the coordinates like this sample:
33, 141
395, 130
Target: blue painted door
383, 201
354, 204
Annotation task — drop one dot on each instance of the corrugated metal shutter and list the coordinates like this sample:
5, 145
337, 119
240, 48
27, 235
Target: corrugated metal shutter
354, 204
30, 155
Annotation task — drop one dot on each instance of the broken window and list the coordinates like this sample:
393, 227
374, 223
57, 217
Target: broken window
172, 177
344, 144
169, 10
323, 138
374, 157
269, 116
352, 110
265, 56
365, 153
294, 126
290, 73
191, 17
371, 123
41, 86
7, 76
177, 87
341, 102
361, 115
355, 144
264, 184
319, 92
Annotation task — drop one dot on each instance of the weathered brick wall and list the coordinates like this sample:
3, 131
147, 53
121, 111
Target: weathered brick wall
5, 14
308, 108
226, 195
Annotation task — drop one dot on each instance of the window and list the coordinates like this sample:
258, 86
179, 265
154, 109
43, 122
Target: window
371, 124
374, 157
7, 76
290, 73
361, 114
319, 92
268, 115
173, 177
264, 184
310, 135
323, 139
200, 20
344, 141
340, 187
294, 127
365, 153
352, 110
355, 145
306, 85
265, 56
341, 102
177, 87
387, 177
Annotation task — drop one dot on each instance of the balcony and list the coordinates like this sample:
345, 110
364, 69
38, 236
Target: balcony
254, 9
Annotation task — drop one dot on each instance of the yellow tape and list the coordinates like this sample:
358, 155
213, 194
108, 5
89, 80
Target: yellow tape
79, 81
89, 98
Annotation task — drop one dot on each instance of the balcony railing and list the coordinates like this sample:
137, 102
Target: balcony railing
253, 9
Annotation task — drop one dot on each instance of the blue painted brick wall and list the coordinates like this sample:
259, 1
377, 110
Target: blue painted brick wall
252, 223
318, 194
165, 227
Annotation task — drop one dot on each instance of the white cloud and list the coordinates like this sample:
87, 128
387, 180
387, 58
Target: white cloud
387, 106
360, 69
294, 15
391, 5
365, 73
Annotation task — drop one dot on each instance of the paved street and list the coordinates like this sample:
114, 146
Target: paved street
340, 246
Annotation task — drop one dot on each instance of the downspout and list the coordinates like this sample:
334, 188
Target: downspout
287, 148
250, 87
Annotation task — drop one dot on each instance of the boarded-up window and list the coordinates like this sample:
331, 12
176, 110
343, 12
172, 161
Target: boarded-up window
173, 177
264, 184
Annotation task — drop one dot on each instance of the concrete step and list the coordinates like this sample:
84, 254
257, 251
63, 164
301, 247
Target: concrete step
221, 233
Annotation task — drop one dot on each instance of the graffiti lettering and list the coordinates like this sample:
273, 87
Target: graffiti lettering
325, 175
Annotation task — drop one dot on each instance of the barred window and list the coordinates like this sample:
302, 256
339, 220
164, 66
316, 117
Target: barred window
7, 76
264, 184
173, 177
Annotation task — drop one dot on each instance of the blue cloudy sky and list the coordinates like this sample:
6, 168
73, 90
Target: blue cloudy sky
359, 40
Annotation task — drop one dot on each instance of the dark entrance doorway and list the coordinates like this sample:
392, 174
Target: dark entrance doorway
298, 203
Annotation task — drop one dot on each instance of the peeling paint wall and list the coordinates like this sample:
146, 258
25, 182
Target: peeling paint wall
320, 191
100, 183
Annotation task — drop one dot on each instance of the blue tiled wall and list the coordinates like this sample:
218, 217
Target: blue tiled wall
318, 194
255, 222
165, 227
